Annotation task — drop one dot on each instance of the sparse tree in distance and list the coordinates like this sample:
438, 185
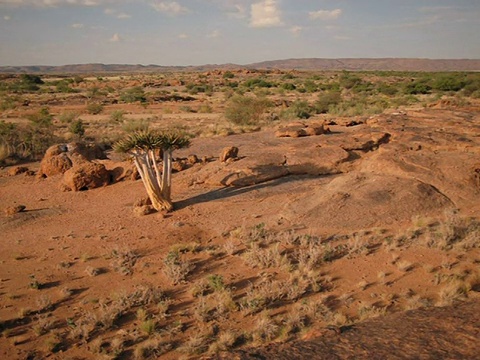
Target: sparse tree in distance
144, 146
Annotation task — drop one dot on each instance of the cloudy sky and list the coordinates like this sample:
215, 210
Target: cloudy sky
195, 32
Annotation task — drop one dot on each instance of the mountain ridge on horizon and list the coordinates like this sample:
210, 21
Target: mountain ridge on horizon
319, 64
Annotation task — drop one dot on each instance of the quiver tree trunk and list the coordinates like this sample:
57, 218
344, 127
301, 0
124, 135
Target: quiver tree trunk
142, 146
151, 178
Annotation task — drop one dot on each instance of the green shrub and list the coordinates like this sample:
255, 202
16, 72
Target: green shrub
300, 109
348, 80
133, 95
9, 102
194, 89
132, 126
77, 128
386, 89
67, 117
94, 108
245, 110
257, 82
117, 115
42, 118
63, 86
228, 75
450, 82
288, 86
418, 87
310, 86
326, 100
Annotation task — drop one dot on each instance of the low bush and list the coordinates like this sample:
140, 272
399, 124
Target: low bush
133, 95
326, 100
245, 110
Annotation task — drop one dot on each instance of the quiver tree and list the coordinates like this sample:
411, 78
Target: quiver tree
144, 146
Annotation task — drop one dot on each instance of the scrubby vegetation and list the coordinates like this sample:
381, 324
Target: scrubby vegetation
245, 101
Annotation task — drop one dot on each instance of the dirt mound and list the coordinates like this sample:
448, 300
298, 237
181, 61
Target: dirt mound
362, 200
440, 333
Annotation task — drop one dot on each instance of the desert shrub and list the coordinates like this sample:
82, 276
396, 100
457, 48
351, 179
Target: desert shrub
205, 109
288, 86
176, 268
30, 141
133, 95
348, 80
232, 84
67, 117
94, 92
228, 75
472, 85
386, 89
325, 100
360, 105
245, 110
187, 109
194, 89
42, 118
27, 83
363, 87
63, 86
117, 115
418, 87
257, 82
300, 109
131, 125
449, 82
9, 102
77, 128
310, 86
94, 108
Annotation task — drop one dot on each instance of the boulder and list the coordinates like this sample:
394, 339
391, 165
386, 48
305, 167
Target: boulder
12, 210
54, 164
230, 152
59, 158
17, 170
299, 129
122, 171
86, 175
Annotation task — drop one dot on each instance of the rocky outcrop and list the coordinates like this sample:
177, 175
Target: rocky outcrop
299, 129
59, 158
85, 175
230, 152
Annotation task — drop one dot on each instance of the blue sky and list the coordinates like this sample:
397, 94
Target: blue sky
195, 32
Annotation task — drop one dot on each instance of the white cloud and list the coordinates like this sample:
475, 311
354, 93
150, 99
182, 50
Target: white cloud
77, 26
265, 14
214, 34
238, 11
115, 13
7, 17
53, 2
296, 30
183, 36
115, 38
325, 14
169, 7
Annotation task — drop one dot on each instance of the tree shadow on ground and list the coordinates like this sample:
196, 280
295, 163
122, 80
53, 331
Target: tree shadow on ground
227, 192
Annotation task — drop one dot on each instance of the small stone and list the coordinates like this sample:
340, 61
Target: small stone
11, 210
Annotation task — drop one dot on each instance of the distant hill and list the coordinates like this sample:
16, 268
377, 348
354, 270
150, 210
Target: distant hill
385, 64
